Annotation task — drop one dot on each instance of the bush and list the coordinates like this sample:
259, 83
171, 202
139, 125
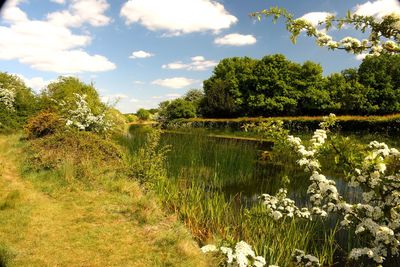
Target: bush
44, 123
76, 148
143, 114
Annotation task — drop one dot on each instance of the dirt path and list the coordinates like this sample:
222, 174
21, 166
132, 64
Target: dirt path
78, 227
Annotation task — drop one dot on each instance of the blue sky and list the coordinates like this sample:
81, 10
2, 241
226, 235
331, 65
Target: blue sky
146, 51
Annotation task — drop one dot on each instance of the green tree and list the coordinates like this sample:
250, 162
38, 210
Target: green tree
275, 91
381, 74
143, 114
218, 101
232, 79
62, 93
180, 108
24, 102
347, 94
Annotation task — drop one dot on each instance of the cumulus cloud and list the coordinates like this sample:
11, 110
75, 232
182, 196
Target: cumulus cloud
58, 1
140, 54
197, 63
46, 45
36, 83
80, 12
378, 8
316, 17
361, 56
236, 39
178, 16
175, 83
138, 82
113, 98
166, 97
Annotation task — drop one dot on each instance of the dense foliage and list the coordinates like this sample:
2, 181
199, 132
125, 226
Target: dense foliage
17, 102
185, 107
276, 86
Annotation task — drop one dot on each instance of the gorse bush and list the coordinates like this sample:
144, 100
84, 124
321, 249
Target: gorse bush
51, 151
44, 123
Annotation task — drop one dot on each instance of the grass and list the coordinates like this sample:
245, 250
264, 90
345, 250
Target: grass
212, 186
52, 218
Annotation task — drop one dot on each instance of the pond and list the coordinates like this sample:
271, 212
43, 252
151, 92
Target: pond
217, 180
242, 166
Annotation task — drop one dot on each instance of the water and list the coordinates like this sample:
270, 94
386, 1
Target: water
243, 170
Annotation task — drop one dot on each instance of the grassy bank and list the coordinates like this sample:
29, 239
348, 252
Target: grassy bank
53, 217
371, 124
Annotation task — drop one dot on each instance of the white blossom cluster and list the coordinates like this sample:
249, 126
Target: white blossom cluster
351, 44
83, 119
242, 255
377, 218
302, 259
279, 206
7, 98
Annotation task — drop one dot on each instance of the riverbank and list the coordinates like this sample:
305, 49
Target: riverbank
50, 218
369, 124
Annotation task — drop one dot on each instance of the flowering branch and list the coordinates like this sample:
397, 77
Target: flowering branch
384, 34
7, 98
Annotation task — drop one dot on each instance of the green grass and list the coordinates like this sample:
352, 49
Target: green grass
212, 184
57, 219
212, 187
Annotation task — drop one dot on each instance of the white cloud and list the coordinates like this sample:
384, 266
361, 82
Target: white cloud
47, 46
134, 100
175, 83
80, 12
12, 13
198, 63
172, 96
378, 8
58, 1
36, 83
166, 97
236, 39
140, 54
178, 16
361, 56
315, 17
138, 82
113, 98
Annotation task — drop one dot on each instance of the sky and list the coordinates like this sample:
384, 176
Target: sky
141, 52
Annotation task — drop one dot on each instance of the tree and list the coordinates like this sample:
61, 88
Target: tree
232, 80
63, 93
180, 108
381, 74
143, 114
194, 95
17, 102
218, 101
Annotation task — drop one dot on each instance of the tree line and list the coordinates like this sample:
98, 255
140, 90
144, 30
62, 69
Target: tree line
276, 86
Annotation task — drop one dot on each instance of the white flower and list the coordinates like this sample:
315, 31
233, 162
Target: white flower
209, 248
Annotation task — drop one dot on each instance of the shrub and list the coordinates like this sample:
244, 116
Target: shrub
78, 148
44, 123
143, 114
